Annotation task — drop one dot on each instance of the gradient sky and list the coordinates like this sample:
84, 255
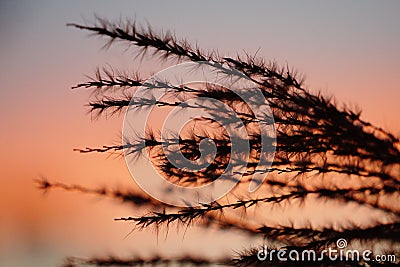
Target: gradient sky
349, 49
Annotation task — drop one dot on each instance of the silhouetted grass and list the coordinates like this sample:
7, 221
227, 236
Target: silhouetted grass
324, 149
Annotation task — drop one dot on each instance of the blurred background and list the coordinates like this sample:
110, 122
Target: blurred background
346, 49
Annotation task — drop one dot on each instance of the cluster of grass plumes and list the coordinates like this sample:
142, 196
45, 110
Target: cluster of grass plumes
324, 151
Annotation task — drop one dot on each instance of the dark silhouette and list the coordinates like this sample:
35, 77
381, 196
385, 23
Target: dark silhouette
324, 151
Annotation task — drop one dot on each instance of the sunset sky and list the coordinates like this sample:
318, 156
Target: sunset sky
348, 49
